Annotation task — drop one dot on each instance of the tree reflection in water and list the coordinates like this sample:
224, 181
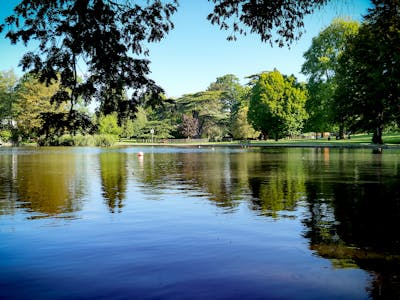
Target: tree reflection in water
45, 184
351, 198
354, 221
113, 172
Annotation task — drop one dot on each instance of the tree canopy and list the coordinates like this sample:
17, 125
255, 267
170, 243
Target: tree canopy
96, 49
321, 64
107, 40
104, 38
368, 96
277, 105
278, 20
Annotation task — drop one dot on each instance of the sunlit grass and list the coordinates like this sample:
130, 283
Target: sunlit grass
356, 139
363, 139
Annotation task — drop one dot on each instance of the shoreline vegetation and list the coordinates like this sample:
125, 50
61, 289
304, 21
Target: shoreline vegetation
356, 141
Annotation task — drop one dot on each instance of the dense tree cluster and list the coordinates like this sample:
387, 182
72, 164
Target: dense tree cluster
356, 88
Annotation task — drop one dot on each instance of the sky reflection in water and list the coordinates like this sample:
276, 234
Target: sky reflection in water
194, 223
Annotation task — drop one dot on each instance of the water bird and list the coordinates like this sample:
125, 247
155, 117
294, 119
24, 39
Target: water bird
140, 154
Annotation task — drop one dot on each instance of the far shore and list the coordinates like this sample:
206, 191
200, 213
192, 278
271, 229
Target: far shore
357, 141
291, 144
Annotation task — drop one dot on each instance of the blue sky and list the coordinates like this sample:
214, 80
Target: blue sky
195, 53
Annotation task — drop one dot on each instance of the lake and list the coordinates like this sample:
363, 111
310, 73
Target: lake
199, 223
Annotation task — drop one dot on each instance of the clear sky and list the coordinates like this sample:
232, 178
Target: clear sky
195, 53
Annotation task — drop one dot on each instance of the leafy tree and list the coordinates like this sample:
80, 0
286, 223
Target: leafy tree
33, 103
277, 105
189, 126
279, 20
232, 94
368, 96
106, 38
321, 64
8, 82
231, 90
109, 125
162, 129
37, 115
140, 121
241, 129
207, 108
128, 129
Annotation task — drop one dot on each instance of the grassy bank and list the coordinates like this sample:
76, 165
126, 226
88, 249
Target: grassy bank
358, 140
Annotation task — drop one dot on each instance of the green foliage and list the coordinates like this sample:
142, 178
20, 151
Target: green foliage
278, 20
108, 36
5, 135
277, 105
60, 123
161, 128
207, 108
65, 140
140, 122
368, 96
98, 140
33, 102
108, 125
128, 129
231, 97
8, 81
231, 91
321, 64
36, 115
104, 140
241, 129
84, 140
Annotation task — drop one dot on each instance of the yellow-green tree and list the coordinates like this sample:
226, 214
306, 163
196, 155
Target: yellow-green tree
33, 100
8, 81
240, 127
109, 125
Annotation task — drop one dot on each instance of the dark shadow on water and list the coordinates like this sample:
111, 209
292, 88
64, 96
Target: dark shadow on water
356, 224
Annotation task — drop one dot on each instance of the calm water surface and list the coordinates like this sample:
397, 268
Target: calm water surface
189, 223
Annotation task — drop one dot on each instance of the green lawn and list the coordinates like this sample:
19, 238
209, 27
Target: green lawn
355, 140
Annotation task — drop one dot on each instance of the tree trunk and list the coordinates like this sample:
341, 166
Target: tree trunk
341, 131
265, 135
377, 137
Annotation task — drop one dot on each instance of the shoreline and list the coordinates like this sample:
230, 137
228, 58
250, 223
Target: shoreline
265, 145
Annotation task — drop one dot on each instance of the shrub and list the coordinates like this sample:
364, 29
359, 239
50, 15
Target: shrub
99, 140
5, 135
84, 140
105, 140
65, 140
